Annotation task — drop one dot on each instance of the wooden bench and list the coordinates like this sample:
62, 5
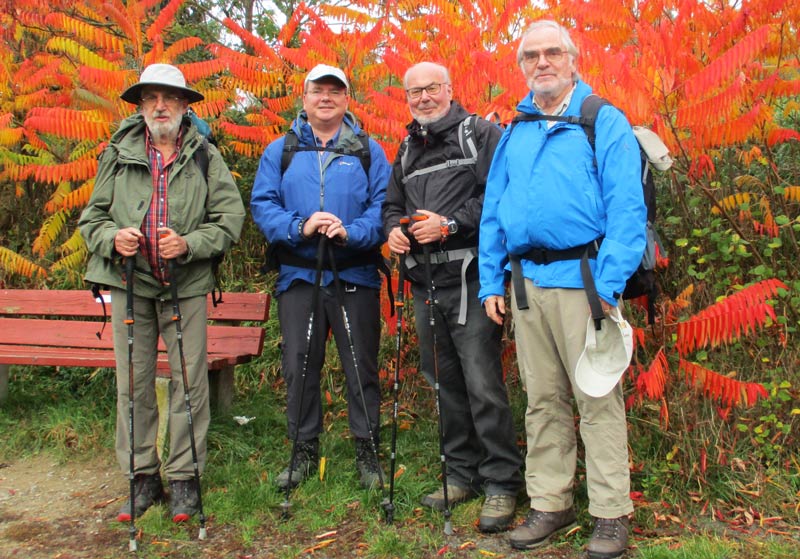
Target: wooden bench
59, 328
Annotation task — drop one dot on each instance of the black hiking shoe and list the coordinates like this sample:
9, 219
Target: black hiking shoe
184, 500
147, 491
305, 463
369, 469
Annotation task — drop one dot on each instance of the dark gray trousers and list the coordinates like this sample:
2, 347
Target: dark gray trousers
479, 439
363, 312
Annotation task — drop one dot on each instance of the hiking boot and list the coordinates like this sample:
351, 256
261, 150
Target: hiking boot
306, 461
147, 491
369, 469
497, 513
184, 499
455, 494
539, 526
609, 538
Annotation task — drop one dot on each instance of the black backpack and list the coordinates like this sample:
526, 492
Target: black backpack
643, 281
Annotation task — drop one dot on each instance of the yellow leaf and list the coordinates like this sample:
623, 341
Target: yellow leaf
322, 462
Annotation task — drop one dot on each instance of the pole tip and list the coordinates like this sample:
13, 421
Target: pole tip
203, 534
132, 545
448, 528
285, 514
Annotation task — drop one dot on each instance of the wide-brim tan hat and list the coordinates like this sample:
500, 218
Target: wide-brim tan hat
163, 75
606, 355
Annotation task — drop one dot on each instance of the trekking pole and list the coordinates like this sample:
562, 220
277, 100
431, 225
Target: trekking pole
285, 505
399, 303
431, 302
340, 299
176, 318
129, 263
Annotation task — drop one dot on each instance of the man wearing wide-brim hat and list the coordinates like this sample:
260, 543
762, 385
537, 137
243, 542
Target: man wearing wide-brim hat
162, 195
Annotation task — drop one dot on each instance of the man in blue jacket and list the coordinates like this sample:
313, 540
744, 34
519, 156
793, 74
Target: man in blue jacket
549, 199
326, 190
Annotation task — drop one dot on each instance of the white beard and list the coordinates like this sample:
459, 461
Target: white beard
164, 132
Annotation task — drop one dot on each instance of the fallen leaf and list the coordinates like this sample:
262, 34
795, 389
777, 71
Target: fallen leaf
326, 534
320, 545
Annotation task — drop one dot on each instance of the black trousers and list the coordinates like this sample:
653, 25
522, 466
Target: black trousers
363, 313
480, 443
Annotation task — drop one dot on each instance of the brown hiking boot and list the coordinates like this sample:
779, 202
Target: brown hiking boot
539, 526
455, 494
609, 538
497, 513
147, 492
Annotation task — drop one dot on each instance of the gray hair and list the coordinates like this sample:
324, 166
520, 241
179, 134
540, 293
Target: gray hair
430, 65
562, 31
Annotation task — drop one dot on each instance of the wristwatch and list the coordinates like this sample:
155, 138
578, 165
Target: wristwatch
448, 227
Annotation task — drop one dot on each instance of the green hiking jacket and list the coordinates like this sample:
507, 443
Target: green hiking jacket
208, 214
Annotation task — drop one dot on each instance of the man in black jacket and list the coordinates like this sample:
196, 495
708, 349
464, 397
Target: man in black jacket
434, 176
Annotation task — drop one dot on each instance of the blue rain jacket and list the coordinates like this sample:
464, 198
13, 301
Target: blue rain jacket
324, 181
544, 190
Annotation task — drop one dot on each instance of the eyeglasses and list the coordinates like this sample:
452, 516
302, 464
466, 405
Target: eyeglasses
432, 89
334, 93
552, 55
171, 100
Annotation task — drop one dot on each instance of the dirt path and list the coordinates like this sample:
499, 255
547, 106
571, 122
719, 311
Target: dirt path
48, 509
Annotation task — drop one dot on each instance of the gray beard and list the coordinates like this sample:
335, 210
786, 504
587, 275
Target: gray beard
426, 120
164, 133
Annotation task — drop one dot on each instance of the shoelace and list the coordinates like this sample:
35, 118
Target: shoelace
494, 502
606, 529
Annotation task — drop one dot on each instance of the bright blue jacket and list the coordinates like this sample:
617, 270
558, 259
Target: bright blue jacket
339, 185
545, 191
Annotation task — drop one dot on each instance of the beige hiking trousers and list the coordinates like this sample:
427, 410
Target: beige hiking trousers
550, 337
152, 316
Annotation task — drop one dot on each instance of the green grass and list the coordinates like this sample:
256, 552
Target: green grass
71, 416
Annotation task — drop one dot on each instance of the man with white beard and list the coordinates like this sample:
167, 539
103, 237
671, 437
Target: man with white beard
162, 194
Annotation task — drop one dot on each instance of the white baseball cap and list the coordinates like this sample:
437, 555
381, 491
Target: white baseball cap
606, 355
165, 75
322, 71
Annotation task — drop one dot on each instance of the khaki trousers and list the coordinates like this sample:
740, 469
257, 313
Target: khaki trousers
151, 317
550, 337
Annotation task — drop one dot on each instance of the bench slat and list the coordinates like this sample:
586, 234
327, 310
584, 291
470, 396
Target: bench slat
76, 357
79, 303
228, 340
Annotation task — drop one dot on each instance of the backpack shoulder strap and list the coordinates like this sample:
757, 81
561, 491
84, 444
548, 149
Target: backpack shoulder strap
404, 157
589, 109
469, 151
363, 154
290, 143
201, 157
466, 137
